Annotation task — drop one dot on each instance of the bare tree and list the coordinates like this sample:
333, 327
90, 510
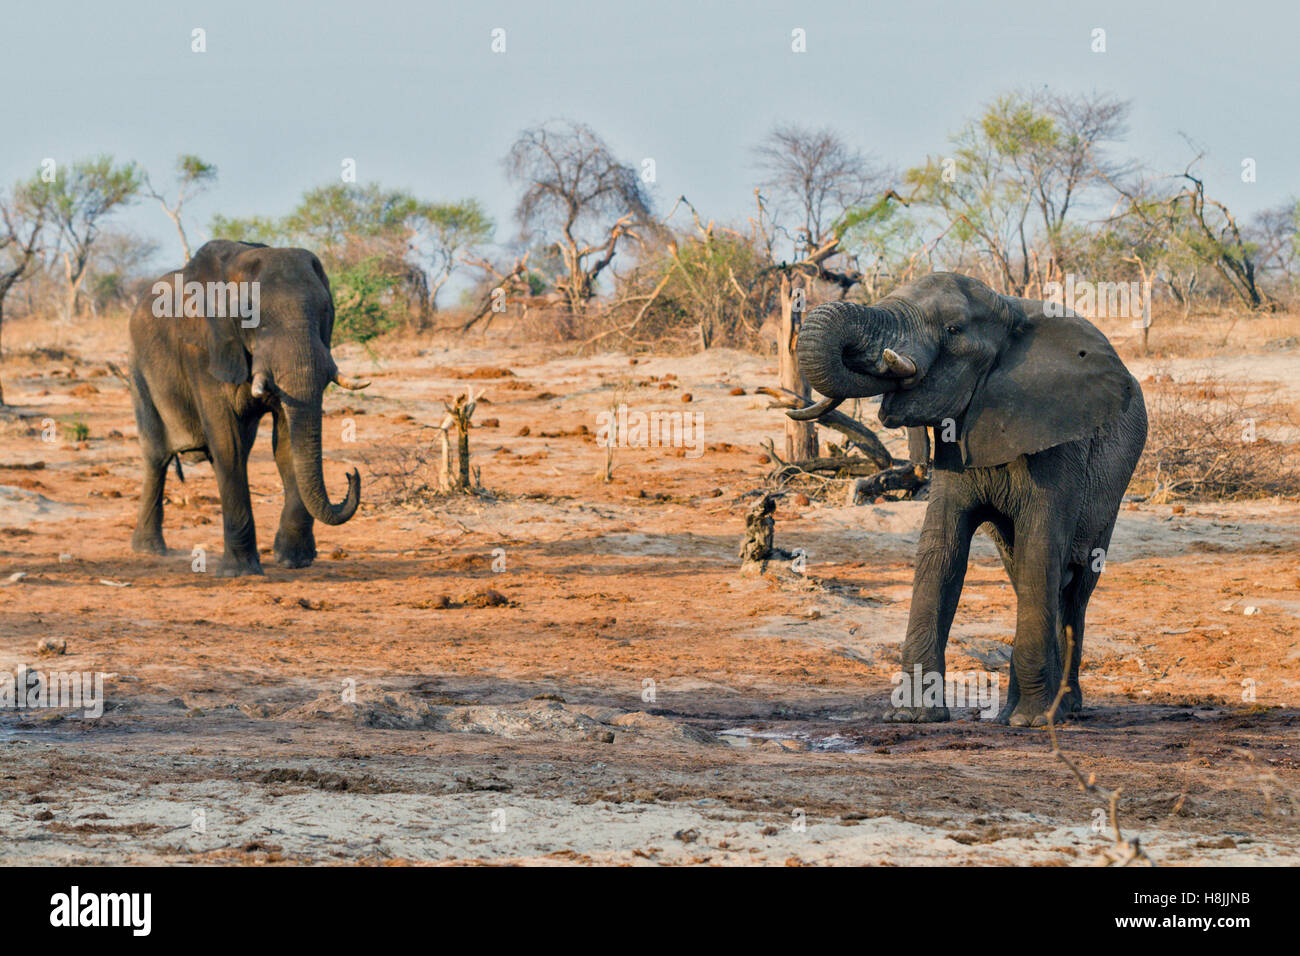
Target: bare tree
23, 218
1206, 228
1074, 160
1276, 234
577, 191
814, 174
193, 176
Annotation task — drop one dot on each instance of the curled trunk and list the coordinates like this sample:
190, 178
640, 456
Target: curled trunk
305, 442
841, 346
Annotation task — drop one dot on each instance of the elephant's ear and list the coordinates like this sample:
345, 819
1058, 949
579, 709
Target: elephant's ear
227, 359
327, 325
1057, 381
228, 356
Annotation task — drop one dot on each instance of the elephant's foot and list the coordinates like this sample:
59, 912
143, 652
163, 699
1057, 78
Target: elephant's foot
148, 543
237, 565
1026, 718
917, 715
1029, 711
294, 551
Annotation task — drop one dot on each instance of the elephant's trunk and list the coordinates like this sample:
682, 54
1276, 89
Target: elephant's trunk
847, 350
304, 441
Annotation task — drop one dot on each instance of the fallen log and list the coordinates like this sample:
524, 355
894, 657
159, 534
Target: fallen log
871, 446
907, 477
843, 467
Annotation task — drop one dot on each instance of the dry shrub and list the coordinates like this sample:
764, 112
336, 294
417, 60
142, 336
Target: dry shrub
1198, 443
556, 325
406, 469
1205, 333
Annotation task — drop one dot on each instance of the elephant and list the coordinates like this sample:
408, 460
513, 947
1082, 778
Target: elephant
208, 361
1038, 426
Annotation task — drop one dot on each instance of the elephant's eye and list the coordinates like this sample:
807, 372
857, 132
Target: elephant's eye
953, 329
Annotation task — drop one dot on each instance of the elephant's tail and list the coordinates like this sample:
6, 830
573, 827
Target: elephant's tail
180, 475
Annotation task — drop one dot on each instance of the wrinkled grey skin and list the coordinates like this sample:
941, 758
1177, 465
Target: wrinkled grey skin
1037, 429
193, 381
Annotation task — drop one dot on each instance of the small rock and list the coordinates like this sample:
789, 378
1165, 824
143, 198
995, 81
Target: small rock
42, 815
49, 646
687, 397
802, 500
687, 836
487, 597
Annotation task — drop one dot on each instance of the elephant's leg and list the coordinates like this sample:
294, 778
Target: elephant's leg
941, 557
1036, 658
1074, 605
148, 537
1003, 534
295, 542
229, 441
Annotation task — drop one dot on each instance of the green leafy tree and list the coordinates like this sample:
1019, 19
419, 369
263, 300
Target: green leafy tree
24, 216
1014, 177
885, 239
444, 232
262, 229
79, 199
362, 292
340, 218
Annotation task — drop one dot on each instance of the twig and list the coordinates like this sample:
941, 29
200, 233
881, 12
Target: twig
1124, 851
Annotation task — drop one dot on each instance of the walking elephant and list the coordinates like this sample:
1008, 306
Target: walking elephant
241, 331
1037, 429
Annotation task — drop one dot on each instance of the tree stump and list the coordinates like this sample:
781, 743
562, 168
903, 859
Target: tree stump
760, 527
800, 437
458, 414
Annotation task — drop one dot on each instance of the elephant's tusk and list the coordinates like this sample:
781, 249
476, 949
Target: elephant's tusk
262, 386
349, 383
813, 412
899, 365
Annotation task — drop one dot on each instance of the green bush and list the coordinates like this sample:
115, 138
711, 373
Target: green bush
363, 293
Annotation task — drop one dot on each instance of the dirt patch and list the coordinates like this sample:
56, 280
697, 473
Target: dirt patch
568, 670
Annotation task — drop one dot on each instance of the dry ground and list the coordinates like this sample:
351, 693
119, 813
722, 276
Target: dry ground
523, 730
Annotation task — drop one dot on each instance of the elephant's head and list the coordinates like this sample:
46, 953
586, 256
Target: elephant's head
948, 349
284, 355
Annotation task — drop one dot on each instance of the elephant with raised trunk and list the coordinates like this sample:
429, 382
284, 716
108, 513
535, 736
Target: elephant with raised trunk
1037, 429
205, 368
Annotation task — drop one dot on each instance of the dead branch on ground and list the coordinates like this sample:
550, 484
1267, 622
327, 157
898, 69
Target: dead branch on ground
1124, 852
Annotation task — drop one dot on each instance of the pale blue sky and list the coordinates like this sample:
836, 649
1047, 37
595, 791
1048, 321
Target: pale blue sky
414, 93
